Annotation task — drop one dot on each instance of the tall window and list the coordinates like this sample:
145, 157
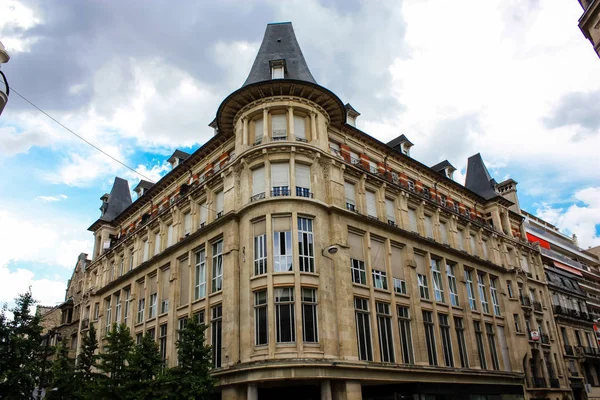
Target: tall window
378, 264
258, 131
305, 245
303, 180
162, 343
371, 204
260, 318
470, 289
489, 328
386, 339
494, 293
422, 277
200, 281
127, 295
428, 226
405, 335
153, 297
122, 265
216, 326
117, 301
310, 329
280, 179
357, 261
217, 266
284, 315
282, 244
203, 214
164, 290
260, 247
443, 232
258, 183
108, 314
438, 282
363, 329
462, 345
141, 302
452, 289
390, 211
461, 239
446, 340
350, 192
184, 281
485, 307
219, 203
509, 289
169, 235
480, 348
430, 337
398, 270
300, 128
278, 127
187, 223
146, 250
412, 220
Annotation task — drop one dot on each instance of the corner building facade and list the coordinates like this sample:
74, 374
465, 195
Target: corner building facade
325, 263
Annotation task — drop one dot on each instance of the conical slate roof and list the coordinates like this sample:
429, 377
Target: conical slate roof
479, 179
118, 200
279, 43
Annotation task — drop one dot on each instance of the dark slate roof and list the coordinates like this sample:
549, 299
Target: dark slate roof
349, 107
118, 200
400, 139
182, 155
279, 43
143, 185
479, 179
441, 166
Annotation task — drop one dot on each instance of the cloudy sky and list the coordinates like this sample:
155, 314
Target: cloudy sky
512, 79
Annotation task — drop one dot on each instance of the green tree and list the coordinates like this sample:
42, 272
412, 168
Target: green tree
145, 372
113, 363
191, 379
20, 349
62, 385
86, 362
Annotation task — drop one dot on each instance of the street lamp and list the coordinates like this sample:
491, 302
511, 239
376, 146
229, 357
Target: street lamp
47, 337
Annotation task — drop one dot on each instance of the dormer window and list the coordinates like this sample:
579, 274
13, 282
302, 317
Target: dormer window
277, 69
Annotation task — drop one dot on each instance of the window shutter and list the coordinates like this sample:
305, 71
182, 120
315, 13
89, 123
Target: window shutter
258, 180
258, 130
420, 261
203, 213
146, 249
397, 263
444, 232
461, 239
184, 280
282, 224
156, 243
428, 226
278, 122
378, 255
371, 204
187, 223
389, 209
303, 176
350, 192
524, 263
412, 219
219, 201
355, 242
300, 127
153, 284
260, 228
280, 175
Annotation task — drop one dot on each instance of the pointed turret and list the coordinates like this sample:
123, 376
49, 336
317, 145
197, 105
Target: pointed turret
279, 57
117, 201
479, 179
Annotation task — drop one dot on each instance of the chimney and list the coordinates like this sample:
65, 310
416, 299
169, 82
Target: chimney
508, 190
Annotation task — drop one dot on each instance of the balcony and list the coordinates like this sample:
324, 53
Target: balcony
554, 383
85, 323
539, 382
303, 192
350, 206
589, 352
525, 301
258, 196
545, 339
537, 306
280, 191
569, 350
560, 258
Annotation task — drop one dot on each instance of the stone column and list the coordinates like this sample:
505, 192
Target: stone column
313, 126
325, 390
252, 392
245, 132
290, 123
266, 131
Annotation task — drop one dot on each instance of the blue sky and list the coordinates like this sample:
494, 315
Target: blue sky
519, 83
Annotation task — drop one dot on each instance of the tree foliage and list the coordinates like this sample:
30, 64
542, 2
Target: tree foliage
145, 372
62, 385
20, 349
86, 363
114, 361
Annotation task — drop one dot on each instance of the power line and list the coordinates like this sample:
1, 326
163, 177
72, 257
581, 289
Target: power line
80, 137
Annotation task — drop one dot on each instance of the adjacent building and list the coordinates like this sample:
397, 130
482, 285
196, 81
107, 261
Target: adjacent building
589, 22
325, 263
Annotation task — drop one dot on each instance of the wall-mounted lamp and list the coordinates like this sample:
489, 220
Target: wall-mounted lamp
331, 249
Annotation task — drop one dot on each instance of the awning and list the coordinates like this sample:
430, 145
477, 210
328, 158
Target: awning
542, 242
567, 268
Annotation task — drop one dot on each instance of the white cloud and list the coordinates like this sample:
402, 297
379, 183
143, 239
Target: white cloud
580, 218
13, 14
52, 198
47, 292
156, 172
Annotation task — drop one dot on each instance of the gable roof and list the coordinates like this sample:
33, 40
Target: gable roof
182, 155
479, 179
143, 185
439, 167
279, 43
400, 139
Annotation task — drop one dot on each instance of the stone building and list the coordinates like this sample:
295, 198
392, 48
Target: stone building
589, 22
325, 263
